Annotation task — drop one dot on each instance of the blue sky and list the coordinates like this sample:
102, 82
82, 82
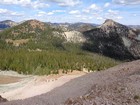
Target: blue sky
91, 11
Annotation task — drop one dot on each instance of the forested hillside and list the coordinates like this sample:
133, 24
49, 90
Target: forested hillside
34, 47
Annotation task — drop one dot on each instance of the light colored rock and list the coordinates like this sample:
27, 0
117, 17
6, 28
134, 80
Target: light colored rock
74, 36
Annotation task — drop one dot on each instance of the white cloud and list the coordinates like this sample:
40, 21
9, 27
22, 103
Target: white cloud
66, 2
5, 12
42, 13
86, 10
134, 14
70, 3
119, 17
74, 12
38, 4
59, 11
100, 18
106, 5
78, 16
90, 17
25, 3
50, 13
94, 7
127, 2
113, 12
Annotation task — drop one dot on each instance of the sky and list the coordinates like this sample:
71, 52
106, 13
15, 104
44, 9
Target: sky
57, 11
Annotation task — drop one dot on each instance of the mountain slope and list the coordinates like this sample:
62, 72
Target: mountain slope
33, 34
36, 31
119, 85
115, 40
34, 47
81, 27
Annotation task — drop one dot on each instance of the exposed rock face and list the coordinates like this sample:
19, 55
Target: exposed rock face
114, 40
72, 32
74, 36
2, 99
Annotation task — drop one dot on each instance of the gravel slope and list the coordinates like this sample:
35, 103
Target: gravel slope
119, 85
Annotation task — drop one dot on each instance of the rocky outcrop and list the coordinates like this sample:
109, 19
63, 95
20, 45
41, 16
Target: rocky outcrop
114, 40
2, 99
74, 37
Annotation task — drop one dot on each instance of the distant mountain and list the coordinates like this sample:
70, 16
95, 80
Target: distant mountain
110, 39
72, 32
7, 24
35, 34
134, 26
81, 27
46, 49
115, 40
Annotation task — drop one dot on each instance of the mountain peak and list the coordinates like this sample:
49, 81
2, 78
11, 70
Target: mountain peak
36, 24
33, 21
6, 21
111, 25
110, 22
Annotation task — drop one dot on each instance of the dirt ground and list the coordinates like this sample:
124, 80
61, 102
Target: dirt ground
119, 85
9, 79
37, 85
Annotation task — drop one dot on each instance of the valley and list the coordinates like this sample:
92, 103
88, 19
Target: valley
69, 52
34, 47
40, 61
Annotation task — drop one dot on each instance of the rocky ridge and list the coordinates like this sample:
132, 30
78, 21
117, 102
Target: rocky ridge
114, 39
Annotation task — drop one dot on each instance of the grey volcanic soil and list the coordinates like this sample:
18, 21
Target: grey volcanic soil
119, 85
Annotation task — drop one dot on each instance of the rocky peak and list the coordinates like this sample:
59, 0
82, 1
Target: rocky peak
115, 40
110, 26
109, 23
36, 24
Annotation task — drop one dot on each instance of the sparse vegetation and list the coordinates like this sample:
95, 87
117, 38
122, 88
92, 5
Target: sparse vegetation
136, 97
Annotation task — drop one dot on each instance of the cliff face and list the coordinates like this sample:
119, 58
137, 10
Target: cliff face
114, 40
